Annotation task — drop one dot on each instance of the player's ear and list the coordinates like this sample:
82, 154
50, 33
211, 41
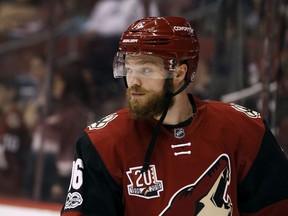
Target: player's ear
181, 71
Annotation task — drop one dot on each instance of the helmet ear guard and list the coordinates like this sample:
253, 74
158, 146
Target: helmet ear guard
171, 38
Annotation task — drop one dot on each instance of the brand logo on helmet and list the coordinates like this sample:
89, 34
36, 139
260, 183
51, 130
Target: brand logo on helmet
139, 25
130, 40
183, 28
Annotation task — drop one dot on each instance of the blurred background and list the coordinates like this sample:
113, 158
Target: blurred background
56, 75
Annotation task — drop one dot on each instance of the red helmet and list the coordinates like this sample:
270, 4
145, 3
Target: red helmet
171, 38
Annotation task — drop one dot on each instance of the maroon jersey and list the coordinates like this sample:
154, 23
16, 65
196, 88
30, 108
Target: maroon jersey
225, 162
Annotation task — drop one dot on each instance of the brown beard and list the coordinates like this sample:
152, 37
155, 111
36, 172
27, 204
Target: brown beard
153, 105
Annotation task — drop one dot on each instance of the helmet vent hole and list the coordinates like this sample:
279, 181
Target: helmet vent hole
156, 41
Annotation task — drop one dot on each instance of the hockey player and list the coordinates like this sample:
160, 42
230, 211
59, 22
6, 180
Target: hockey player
171, 153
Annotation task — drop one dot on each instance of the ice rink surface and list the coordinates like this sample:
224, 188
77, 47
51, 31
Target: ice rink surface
16, 207
10, 210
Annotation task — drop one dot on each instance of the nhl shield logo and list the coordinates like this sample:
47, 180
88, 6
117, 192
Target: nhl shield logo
179, 133
144, 184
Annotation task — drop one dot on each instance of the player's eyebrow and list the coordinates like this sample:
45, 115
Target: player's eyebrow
147, 60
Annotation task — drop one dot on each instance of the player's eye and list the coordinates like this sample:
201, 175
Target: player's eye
127, 71
146, 71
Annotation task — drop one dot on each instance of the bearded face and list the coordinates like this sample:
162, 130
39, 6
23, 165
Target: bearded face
148, 83
147, 103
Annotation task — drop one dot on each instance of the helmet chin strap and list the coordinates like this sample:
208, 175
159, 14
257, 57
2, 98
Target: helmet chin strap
153, 139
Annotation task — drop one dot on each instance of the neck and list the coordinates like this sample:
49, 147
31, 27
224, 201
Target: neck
180, 111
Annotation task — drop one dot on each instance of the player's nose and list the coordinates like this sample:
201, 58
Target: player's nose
133, 81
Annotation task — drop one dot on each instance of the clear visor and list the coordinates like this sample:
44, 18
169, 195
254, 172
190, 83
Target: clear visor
140, 65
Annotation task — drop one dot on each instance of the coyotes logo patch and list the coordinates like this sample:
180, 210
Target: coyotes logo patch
207, 196
250, 113
102, 122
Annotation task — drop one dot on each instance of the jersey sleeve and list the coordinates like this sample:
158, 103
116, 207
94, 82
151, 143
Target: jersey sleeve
92, 190
264, 191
